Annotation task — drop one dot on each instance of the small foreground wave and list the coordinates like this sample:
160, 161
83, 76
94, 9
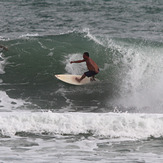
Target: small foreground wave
105, 125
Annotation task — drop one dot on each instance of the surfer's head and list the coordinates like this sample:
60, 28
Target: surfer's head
85, 55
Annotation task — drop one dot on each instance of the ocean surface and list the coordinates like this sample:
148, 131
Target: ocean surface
116, 120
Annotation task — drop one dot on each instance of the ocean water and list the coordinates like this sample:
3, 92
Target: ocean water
119, 119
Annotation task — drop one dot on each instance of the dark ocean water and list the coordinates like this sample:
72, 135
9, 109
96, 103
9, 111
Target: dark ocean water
118, 119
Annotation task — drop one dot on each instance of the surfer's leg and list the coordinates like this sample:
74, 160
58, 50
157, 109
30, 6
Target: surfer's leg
88, 74
93, 78
79, 80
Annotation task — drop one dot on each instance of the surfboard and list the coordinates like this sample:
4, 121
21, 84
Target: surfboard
71, 79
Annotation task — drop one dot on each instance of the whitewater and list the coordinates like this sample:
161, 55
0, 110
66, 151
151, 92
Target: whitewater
108, 125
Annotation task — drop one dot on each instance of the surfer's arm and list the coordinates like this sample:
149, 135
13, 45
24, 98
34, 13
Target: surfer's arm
79, 61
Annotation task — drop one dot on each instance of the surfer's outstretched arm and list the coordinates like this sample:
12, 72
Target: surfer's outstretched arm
79, 61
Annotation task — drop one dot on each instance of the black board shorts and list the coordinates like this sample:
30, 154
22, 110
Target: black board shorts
90, 73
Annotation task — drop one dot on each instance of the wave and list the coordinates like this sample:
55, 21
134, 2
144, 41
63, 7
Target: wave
108, 125
131, 72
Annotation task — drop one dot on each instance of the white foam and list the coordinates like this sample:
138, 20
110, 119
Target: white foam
29, 35
7, 103
142, 77
2, 63
92, 37
108, 125
74, 68
2, 38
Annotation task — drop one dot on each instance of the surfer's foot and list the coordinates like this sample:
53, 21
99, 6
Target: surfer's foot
93, 79
77, 79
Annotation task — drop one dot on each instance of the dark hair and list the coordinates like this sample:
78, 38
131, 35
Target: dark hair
86, 53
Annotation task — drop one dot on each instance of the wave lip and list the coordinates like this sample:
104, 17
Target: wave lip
29, 35
108, 125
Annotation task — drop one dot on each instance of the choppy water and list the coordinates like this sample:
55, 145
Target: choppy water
118, 119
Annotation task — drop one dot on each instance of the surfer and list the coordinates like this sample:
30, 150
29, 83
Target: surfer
3, 47
91, 65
